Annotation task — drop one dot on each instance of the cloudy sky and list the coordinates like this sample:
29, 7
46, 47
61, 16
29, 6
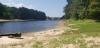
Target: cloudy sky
53, 8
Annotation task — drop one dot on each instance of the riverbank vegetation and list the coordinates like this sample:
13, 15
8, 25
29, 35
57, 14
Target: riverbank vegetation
77, 34
82, 9
89, 27
83, 18
20, 13
85, 14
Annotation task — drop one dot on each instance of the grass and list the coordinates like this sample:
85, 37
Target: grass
54, 43
38, 44
75, 37
88, 27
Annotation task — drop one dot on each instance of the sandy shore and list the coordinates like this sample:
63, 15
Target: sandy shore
28, 39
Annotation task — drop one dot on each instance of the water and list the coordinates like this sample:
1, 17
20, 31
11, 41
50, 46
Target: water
26, 26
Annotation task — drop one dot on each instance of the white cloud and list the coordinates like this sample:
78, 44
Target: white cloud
15, 3
23, 5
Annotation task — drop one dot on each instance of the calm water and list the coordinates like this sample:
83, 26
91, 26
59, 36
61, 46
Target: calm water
27, 26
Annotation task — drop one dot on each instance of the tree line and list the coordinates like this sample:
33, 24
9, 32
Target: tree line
20, 13
82, 9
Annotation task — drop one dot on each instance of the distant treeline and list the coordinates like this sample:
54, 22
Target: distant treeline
82, 9
20, 13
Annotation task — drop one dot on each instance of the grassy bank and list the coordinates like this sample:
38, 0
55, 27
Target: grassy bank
80, 34
88, 27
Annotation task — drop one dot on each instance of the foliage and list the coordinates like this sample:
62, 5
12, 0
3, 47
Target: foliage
83, 9
20, 13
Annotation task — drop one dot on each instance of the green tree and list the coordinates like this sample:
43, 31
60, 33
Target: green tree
20, 13
83, 9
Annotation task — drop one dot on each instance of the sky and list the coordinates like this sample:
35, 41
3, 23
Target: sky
52, 8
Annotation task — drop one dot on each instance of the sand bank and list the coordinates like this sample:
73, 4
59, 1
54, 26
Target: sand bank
28, 39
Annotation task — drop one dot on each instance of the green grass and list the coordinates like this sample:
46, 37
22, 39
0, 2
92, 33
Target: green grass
38, 44
67, 38
75, 37
88, 27
54, 43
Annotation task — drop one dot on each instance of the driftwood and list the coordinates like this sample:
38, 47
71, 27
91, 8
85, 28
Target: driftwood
12, 35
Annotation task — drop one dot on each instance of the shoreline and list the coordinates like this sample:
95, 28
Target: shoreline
59, 26
30, 38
